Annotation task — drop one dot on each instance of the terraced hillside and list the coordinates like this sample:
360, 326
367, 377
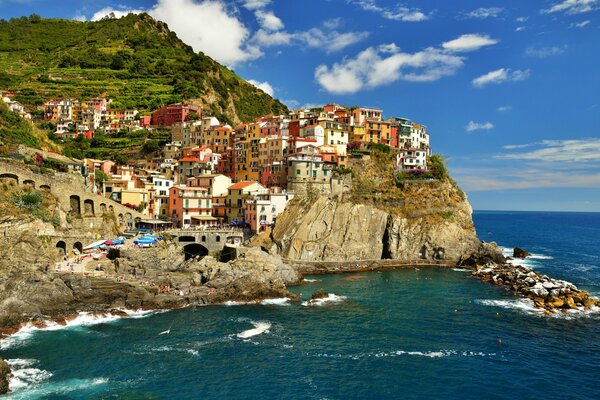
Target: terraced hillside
135, 60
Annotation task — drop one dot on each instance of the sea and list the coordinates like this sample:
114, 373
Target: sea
408, 334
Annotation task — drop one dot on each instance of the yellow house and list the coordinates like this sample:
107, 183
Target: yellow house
237, 196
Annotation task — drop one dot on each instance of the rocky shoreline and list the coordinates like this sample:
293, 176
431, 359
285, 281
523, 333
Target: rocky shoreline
549, 294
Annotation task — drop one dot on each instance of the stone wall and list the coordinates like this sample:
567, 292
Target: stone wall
80, 208
336, 185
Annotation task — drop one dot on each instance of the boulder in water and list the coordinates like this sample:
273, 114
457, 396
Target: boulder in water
4, 375
520, 253
319, 294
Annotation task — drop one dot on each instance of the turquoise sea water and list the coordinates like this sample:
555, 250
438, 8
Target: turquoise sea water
399, 334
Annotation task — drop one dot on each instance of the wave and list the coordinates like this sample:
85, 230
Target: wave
307, 280
398, 353
461, 269
259, 327
25, 374
284, 301
81, 320
331, 298
527, 306
43, 389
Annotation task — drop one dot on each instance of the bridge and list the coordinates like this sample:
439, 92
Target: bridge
214, 242
80, 205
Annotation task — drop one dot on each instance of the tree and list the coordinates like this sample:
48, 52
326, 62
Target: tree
100, 176
150, 147
193, 116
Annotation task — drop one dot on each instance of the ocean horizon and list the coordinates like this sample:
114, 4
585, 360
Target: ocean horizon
417, 333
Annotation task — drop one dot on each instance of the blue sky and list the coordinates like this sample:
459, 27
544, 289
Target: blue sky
509, 90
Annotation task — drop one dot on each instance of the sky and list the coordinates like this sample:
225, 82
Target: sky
509, 90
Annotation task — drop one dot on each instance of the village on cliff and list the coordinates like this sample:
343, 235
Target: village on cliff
213, 174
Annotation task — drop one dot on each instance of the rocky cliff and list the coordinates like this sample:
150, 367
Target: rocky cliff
429, 220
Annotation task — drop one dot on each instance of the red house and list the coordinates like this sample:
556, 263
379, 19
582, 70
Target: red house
172, 114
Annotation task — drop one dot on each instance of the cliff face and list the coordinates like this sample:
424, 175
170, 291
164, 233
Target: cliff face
431, 220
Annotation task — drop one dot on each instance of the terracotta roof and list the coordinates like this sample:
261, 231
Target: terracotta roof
241, 185
190, 159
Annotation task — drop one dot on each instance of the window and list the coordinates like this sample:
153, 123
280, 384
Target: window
314, 174
298, 172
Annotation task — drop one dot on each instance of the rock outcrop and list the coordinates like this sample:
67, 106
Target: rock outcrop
550, 294
157, 278
4, 376
520, 253
324, 229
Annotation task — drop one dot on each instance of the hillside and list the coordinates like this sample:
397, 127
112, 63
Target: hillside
15, 130
135, 60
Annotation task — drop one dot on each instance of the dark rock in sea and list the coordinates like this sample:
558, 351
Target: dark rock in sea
486, 253
319, 294
4, 375
520, 253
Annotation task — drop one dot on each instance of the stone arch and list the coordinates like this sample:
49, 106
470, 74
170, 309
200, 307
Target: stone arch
218, 239
75, 202
45, 187
29, 182
204, 238
10, 177
186, 239
128, 216
88, 207
103, 208
78, 246
62, 247
111, 210
193, 250
120, 219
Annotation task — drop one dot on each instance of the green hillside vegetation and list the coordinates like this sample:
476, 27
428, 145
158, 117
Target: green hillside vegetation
15, 130
120, 147
135, 60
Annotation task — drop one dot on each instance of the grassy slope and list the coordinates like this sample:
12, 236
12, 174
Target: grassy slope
135, 60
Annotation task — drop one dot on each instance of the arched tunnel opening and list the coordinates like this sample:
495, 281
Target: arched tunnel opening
194, 250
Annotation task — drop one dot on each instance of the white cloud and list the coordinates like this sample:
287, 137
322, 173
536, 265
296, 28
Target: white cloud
500, 76
543, 52
522, 19
256, 4
545, 164
469, 42
504, 108
479, 126
399, 13
109, 12
573, 7
208, 26
268, 39
520, 28
314, 37
563, 151
264, 86
333, 23
581, 24
376, 66
482, 13
330, 41
268, 20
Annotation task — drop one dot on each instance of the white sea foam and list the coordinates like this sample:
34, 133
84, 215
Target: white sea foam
521, 304
238, 303
25, 374
259, 327
399, 353
193, 352
83, 319
307, 280
36, 388
461, 270
284, 301
331, 298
